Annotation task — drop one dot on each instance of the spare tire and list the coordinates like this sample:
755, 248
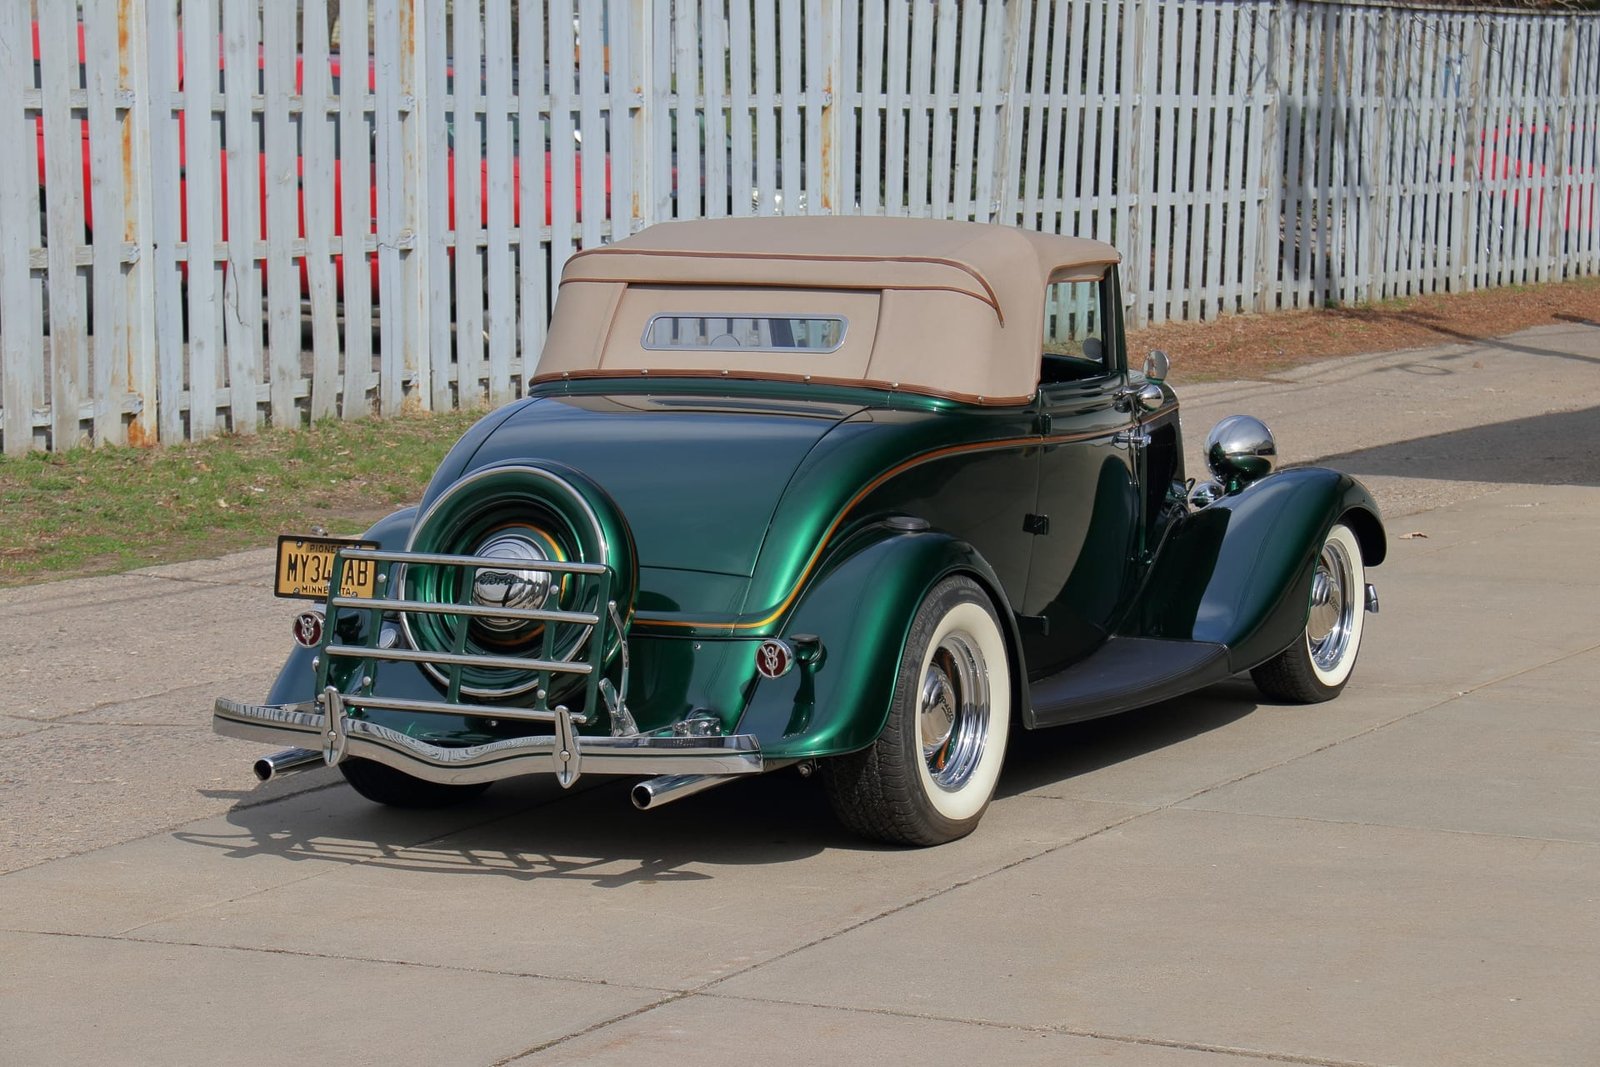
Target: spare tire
522, 513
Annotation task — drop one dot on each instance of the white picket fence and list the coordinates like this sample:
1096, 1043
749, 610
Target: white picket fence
176, 265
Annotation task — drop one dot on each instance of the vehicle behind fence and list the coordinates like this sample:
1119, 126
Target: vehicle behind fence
220, 214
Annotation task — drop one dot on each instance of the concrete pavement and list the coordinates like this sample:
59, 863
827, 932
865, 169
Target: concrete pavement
1408, 875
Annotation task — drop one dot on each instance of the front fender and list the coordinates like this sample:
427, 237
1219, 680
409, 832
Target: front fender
861, 607
1238, 573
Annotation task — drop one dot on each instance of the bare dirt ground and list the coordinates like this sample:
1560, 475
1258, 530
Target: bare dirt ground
1254, 346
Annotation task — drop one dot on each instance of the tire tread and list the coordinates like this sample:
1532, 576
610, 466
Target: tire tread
1288, 677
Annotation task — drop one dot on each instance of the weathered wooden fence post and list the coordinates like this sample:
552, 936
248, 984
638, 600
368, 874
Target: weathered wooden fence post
1270, 217
21, 341
1375, 160
1553, 197
159, 86
241, 281
831, 97
1468, 197
1136, 144
138, 196
535, 299
1012, 110
64, 221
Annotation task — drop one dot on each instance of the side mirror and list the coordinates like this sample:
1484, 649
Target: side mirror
1140, 399
1156, 365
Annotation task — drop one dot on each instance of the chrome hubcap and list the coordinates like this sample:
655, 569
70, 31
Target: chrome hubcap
510, 586
953, 711
938, 710
1333, 607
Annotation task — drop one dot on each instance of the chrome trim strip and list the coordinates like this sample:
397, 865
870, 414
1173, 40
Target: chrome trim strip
442, 708
438, 559
361, 603
512, 663
301, 725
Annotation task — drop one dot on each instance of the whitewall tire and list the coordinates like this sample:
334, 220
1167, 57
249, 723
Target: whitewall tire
930, 775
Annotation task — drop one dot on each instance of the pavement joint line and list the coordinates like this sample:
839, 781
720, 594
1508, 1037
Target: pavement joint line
245, 803
1387, 723
708, 988
1518, 673
925, 897
1410, 827
184, 578
1067, 1031
166, 830
124, 698
383, 854
382, 961
1158, 809
32, 614
600, 1024
704, 987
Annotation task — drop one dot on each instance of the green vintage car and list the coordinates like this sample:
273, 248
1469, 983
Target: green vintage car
864, 497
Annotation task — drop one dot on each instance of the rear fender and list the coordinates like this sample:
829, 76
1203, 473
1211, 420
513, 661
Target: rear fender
861, 607
297, 680
1238, 573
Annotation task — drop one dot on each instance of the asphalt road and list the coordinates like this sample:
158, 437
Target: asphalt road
1408, 875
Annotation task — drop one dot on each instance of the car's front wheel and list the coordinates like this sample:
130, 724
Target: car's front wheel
1317, 666
382, 784
930, 775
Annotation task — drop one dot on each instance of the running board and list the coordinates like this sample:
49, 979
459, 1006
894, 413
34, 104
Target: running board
1126, 673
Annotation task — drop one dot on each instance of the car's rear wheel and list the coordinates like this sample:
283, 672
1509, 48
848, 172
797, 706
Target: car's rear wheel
382, 784
930, 775
1318, 664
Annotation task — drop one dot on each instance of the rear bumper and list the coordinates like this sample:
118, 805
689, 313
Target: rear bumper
322, 725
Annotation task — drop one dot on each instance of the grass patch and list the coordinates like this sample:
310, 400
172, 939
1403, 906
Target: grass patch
105, 510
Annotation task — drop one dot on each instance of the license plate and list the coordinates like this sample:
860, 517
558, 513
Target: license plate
305, 567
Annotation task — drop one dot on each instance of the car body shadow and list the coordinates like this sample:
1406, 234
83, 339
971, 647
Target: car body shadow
530, 829
1561, 448
1041, 758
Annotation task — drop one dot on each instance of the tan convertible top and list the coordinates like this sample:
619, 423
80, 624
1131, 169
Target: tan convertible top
931, 306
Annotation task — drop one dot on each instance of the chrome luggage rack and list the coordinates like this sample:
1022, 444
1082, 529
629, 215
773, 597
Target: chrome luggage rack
358, 688
347, 676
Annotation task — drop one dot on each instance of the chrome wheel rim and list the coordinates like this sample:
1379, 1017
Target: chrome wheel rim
953, 711
1333, 607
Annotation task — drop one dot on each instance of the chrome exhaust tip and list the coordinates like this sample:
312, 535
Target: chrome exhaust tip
288, 761
654, 792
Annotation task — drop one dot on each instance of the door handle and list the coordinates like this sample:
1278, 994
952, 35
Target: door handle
1131, 437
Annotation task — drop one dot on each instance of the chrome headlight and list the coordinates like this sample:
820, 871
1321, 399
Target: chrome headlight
1239, 450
